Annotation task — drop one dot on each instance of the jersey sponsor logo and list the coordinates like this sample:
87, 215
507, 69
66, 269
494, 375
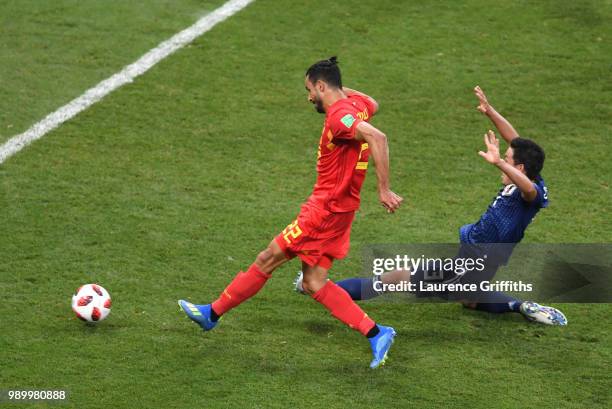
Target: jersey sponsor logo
348, 120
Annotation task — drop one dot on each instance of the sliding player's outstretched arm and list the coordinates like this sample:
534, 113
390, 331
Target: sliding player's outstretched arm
504, 127
377, 142
526, 186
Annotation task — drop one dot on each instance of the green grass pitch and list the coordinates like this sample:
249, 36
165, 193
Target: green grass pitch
173, 183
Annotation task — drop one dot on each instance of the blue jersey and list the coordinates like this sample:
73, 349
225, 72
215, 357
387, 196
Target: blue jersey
507, 217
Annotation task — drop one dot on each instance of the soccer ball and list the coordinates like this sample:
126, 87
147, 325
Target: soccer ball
91, 303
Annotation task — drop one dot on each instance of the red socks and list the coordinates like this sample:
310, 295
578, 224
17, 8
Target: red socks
334, 298
341, 306
242, 287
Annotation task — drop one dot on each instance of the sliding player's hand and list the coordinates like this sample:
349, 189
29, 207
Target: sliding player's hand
492, 153
390, 200
483, 106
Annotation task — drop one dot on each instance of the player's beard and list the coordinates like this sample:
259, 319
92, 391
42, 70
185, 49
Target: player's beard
319, 106
318, 103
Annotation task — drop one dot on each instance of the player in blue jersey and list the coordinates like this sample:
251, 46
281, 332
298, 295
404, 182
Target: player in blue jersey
521, 197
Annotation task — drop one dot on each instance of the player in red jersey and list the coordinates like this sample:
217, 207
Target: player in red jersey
321, 232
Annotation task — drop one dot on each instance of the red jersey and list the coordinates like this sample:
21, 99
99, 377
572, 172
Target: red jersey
342, 161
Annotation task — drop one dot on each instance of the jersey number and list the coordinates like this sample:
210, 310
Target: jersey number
508, 190
292, 231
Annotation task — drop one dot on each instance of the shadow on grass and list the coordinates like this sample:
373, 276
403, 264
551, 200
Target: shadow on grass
319, 327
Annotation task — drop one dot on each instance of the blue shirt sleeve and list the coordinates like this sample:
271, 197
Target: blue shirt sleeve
541, 197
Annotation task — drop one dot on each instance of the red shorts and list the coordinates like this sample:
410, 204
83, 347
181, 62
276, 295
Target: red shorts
317, 236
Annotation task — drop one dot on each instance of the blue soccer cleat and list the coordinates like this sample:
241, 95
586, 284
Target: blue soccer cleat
200, 314
381, 344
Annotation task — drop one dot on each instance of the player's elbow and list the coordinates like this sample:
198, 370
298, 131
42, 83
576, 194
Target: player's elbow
381, 138
370, 134
376, 138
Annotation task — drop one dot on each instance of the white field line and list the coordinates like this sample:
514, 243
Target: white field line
126, 75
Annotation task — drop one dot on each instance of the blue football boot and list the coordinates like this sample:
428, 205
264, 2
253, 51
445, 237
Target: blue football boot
381, 344
200, 314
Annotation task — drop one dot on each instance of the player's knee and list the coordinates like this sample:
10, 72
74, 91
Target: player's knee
269, 259
312, 284
264, 258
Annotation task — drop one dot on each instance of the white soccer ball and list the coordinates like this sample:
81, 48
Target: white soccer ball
91, 303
